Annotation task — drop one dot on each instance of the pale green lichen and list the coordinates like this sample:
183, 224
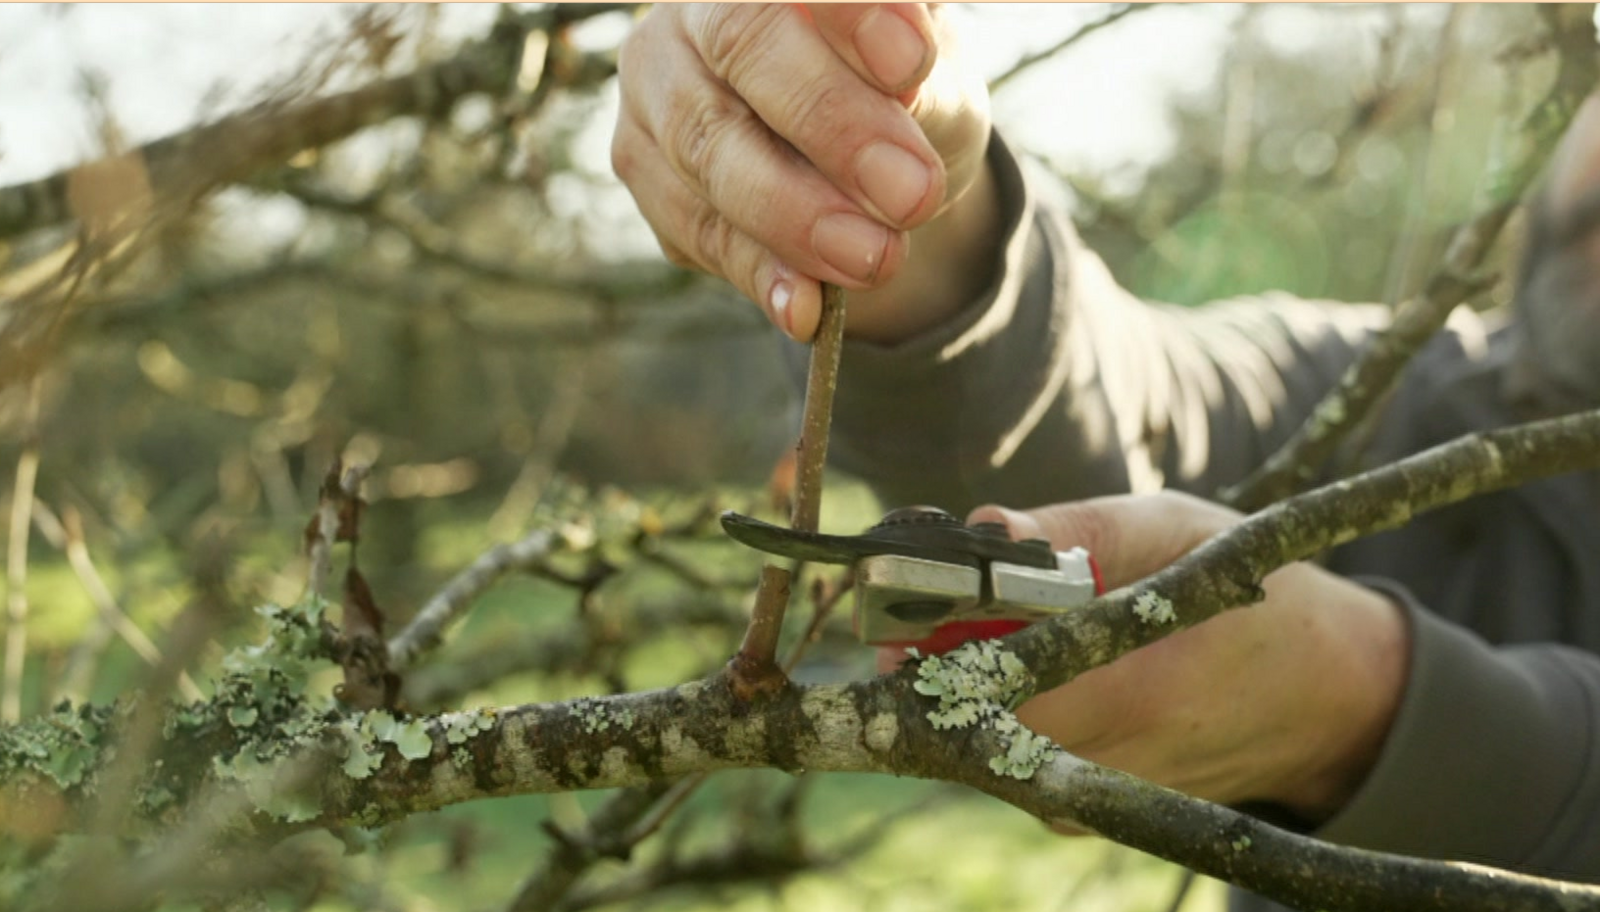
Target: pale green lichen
362, 756
63, 746
974, 681
462, 727
1153, 609
262, 697
1026, 752
980, 683
269, 784
411, 739
598, 717
1240, 844
365, 735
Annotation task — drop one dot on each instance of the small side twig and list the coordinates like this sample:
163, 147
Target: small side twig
427, 628
754, 669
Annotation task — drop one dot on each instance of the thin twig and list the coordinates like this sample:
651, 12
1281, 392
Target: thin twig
663, 809
339, 498
823, 603
573, 855
1029, 61
426, 630
754, 669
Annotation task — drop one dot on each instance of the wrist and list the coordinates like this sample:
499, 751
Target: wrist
1366, 645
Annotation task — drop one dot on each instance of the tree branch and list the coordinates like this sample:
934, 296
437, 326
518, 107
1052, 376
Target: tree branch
884, 725
180, 168
1227, 570
427, 629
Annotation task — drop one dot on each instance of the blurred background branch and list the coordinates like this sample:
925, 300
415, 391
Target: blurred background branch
404, 248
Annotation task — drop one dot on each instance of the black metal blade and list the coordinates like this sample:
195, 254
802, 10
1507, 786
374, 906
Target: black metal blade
806, 546
949, 544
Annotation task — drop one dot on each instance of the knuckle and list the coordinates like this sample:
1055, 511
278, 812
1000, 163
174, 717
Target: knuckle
697, 135
713, 237
731, 35
818, 106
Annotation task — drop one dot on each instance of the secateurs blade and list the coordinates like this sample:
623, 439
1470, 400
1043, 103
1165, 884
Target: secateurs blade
923, 577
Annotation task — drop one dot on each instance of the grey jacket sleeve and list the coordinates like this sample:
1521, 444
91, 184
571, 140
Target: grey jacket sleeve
1057, 384
1494, 756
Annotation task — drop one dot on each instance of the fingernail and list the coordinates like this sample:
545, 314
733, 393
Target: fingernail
1020, 525
851, 244
891, 48
895, 180
779, 298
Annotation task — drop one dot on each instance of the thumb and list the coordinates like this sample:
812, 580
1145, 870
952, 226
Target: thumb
1129, 536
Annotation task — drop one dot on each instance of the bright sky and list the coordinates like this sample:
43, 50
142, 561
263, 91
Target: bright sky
1100, 106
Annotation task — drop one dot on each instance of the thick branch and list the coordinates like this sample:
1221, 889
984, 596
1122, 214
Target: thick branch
1296, 870
1227, 570
879, 726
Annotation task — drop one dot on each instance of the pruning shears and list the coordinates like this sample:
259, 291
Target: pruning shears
923, 578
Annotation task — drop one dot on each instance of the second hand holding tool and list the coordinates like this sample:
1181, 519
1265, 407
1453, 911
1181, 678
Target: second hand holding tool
928, 580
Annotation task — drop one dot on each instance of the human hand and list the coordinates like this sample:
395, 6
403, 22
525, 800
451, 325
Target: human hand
779, 146
1287, 701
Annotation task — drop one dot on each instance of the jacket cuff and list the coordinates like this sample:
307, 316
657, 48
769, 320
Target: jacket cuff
1470, 713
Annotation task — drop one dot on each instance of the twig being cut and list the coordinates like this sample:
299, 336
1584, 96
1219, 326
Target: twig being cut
754, 669
1375, 372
